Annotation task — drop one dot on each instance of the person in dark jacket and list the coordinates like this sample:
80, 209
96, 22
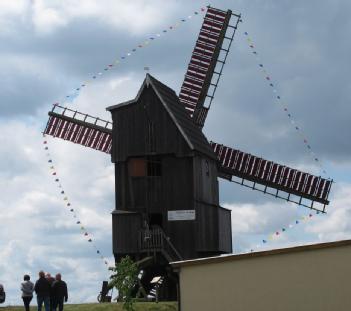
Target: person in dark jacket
59, 292
27, 288
42, 289
51, 281
2, 294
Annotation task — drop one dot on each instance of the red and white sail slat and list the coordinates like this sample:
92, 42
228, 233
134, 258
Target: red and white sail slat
79, 132
203, 60
243, 165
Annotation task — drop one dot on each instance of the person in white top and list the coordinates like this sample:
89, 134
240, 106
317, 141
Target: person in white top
27, 288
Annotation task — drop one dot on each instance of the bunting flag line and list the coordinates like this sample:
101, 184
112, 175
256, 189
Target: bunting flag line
279, 232
283, 105
67, 203
124, 56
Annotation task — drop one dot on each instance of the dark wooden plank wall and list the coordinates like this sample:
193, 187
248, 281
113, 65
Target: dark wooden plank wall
177, 194
206, 228
205, 180
125, 228
130, 127
225, 230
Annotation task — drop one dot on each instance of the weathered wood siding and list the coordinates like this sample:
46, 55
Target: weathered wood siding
224, 230
207, 228
131, 130
125, 230
205, 180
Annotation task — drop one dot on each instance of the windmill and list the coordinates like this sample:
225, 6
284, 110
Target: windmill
166, 171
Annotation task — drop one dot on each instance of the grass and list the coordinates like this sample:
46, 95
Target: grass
140, 306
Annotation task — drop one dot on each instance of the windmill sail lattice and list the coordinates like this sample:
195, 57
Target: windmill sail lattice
272, 175
199, 86
205, 68
79, 128
234, 165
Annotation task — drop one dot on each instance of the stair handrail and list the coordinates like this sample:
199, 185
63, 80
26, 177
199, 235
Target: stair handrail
156, 239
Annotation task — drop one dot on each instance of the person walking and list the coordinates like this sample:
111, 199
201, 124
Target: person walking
27, 288
59, 292
42, 289
51, 281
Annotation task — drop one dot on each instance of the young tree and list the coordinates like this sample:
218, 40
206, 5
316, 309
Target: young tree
124, 279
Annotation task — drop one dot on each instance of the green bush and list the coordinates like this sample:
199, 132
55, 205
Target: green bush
124, 279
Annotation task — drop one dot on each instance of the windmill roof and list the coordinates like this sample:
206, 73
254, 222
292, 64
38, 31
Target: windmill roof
168, 97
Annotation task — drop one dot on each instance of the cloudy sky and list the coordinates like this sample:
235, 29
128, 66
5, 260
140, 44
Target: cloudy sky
49, 48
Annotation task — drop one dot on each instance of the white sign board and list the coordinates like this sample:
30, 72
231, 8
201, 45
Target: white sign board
181, 215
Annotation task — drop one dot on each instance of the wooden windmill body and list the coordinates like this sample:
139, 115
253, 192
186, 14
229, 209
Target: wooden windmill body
166, 171
166, 179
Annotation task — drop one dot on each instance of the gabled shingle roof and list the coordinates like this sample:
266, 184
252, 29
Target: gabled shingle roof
193, 135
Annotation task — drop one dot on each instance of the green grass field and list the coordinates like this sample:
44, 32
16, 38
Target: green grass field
140, 306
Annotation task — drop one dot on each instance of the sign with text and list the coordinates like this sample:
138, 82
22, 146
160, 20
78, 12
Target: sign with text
181, 215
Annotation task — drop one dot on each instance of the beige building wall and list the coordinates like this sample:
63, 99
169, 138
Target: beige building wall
313, 278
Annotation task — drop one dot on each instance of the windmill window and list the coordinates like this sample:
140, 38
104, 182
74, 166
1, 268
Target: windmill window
137, 167
154, 167
142, 167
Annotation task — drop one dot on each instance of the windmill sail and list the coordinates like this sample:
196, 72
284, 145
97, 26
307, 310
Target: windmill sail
247, 167
205, 67
80, 128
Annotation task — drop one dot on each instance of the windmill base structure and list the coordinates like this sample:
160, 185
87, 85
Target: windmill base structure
166, 171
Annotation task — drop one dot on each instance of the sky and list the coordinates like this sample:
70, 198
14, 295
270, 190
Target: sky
49, 48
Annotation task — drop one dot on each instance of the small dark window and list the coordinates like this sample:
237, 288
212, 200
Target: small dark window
154, 167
